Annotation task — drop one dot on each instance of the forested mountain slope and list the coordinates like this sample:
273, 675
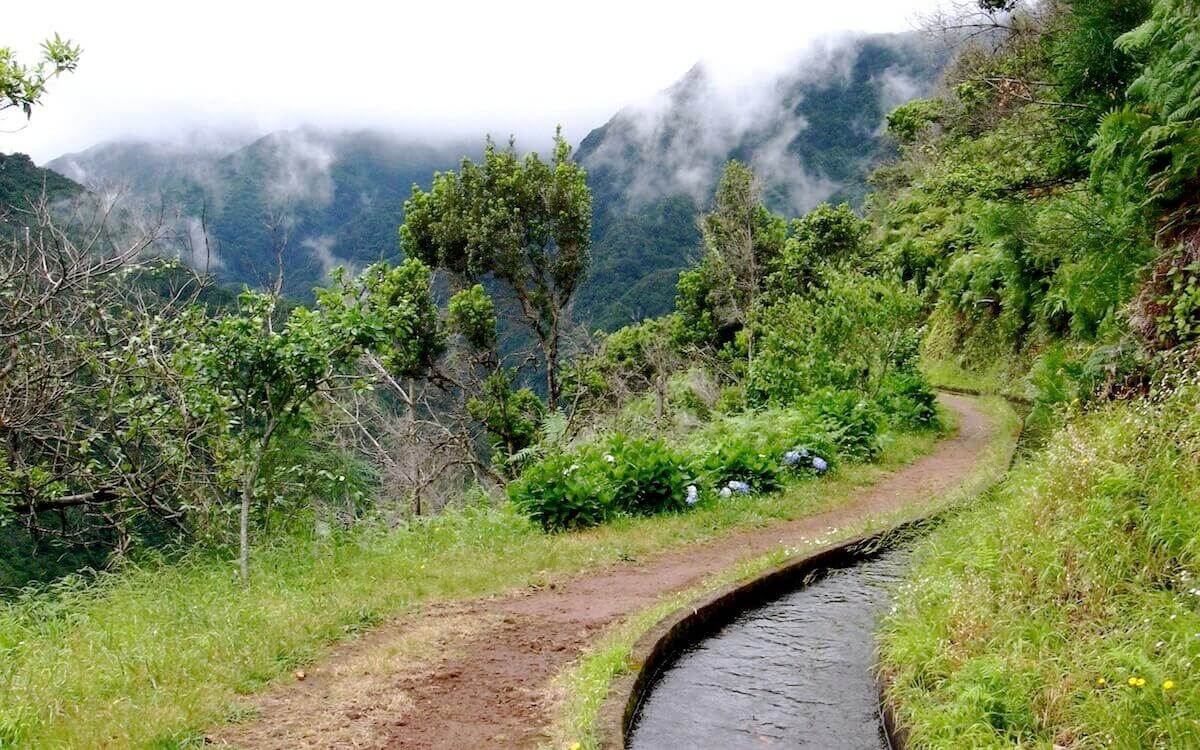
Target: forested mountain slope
335, 198
811, 132
22, 183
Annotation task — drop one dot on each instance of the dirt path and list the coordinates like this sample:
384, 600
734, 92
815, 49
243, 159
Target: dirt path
474, 674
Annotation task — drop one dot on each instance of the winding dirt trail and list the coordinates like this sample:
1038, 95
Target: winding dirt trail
475, 673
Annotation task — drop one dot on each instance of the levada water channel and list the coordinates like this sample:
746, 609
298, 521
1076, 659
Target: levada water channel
797, 672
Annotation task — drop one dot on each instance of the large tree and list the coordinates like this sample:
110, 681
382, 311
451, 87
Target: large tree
523, 222
742, 238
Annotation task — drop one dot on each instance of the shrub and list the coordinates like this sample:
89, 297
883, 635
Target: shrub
738, 458
564, 490
846, 334
909, 402
695, 390
646, 476
772, 432
851, 422
731, 400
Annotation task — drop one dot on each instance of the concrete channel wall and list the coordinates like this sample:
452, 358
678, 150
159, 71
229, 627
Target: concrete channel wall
688, 626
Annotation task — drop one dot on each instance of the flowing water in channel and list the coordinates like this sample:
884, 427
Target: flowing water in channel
795, 673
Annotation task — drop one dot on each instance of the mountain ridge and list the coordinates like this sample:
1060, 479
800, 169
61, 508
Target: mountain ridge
811, 132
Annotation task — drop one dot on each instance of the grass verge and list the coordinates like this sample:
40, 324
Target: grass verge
152, 654
581, 689
1064, 610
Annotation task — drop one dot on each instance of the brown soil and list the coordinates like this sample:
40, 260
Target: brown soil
475, 673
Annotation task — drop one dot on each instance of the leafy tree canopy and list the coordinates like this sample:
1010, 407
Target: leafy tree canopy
22, 86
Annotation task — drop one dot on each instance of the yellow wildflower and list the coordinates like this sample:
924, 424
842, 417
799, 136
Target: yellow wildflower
1101, 681
1168, 685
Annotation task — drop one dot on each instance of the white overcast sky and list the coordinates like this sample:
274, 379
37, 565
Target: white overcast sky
434, 68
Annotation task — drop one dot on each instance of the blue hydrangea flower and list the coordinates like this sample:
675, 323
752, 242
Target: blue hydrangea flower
693, 495
820, 464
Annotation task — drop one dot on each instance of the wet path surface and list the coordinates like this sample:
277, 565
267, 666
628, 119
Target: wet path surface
795, 673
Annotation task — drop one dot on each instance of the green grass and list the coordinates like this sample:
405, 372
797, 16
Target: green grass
583, 687
1025, 619
978, 358
151, 655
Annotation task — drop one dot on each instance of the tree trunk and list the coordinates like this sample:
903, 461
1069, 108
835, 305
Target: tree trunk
551, 348
248, 482
414, 467
244, 527
749, 351
551, 377
660, 388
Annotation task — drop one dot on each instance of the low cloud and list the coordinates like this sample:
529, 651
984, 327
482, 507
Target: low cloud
197, 248
321, 250
677, 141
300, 170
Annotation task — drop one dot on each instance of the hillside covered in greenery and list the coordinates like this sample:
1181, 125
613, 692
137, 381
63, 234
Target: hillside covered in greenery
340, 195
1045, 209
22, 184
256, 479
324, 199
812, 133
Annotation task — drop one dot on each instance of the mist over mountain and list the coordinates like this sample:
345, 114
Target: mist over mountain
22, 183
811, 133
331, 198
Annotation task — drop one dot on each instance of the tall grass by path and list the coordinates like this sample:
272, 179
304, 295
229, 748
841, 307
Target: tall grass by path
582, 688
1065, 610
152, 654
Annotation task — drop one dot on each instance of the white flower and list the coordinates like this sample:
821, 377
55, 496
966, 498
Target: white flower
610, 458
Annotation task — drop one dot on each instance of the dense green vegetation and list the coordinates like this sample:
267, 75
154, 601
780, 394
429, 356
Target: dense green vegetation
1045, 209
774, 315
22, 184
1036, 232
154, 653
815, 138
1063, 610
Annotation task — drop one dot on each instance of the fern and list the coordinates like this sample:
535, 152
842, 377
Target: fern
1156, 139
552, 435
